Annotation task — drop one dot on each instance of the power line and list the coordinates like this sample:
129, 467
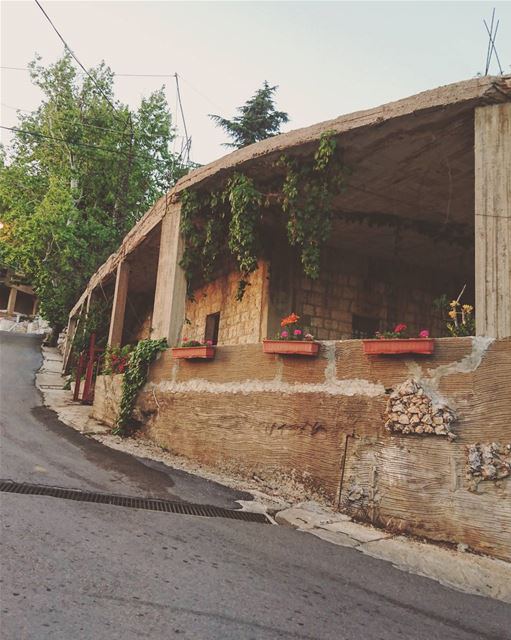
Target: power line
82, 124
100, 89
185, 150
70, 142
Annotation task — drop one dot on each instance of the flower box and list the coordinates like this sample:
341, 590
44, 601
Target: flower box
392, 346
291, 347
204, 352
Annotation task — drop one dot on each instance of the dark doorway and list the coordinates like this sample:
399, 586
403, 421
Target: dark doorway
212, 326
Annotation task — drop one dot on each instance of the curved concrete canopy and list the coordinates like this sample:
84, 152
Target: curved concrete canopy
412, 158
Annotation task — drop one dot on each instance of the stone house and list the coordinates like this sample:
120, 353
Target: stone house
426, 211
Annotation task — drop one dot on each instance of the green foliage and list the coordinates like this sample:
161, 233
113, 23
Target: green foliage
245, 203
95, 320
204, 225
257, 120
306, 195
71, 191
308, 191
135, 377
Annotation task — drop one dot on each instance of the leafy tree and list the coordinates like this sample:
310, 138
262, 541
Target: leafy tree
80, 172
258, 119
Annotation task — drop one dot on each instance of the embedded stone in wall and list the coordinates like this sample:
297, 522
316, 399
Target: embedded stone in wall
356, 493
411, 411
488, 461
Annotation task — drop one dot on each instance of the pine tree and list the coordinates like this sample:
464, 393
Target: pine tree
258, 119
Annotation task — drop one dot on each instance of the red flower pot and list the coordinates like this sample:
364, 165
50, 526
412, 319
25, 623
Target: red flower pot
392, 346
291, 347
205, 352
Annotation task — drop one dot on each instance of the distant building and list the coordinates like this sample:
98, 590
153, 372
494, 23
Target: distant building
16, 295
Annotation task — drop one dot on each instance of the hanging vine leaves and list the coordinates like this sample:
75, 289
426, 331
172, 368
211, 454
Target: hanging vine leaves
306, 196
244, 241
308, 191
134, 379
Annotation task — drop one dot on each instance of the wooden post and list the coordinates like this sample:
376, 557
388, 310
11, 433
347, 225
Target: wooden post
170, 295
70, 335
12, 301
119, 304
493, 220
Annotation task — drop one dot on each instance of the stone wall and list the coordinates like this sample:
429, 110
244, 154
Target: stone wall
386, 291
240, 322
322, 422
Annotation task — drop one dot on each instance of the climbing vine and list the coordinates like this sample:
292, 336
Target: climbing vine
308, 192
135, 377
244, 241
305, 193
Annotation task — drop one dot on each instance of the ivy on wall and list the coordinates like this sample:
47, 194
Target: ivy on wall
134, 378
305, 195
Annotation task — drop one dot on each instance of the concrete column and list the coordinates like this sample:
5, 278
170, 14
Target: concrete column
12, 301
35, 306
170, 295
119, 304
493, 220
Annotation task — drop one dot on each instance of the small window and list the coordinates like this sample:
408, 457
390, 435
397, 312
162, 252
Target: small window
212, 325
363, 326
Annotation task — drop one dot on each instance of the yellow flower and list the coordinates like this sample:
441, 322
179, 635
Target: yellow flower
452, 314
453, 304
467, 308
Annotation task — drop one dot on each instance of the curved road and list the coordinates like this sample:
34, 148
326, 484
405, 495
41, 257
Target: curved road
86, 571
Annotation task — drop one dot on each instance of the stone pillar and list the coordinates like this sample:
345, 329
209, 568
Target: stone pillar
170, 295
12, 301
35, 306
119, 304
493, 220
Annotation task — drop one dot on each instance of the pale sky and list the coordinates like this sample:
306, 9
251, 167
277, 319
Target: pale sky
328, 58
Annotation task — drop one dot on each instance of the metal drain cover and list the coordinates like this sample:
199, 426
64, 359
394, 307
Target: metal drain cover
152, 504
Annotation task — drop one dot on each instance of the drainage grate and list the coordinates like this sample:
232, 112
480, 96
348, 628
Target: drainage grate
152, 504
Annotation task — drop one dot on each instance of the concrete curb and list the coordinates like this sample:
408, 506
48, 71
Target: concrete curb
50, 383
467, 572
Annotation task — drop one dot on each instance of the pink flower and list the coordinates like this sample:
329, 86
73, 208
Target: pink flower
185, 339
297, 332
399, 328
284, 334
424, 333
209, 342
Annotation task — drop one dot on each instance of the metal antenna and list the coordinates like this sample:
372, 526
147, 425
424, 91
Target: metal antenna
492, 35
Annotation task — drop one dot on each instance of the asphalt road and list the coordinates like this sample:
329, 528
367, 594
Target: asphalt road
75, 571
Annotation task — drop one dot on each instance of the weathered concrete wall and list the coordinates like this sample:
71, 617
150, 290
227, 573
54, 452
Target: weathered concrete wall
240, 322
322, 422
107, 398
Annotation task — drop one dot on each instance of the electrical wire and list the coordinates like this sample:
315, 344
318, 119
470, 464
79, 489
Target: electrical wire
76, 144
82, 124
91, 77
